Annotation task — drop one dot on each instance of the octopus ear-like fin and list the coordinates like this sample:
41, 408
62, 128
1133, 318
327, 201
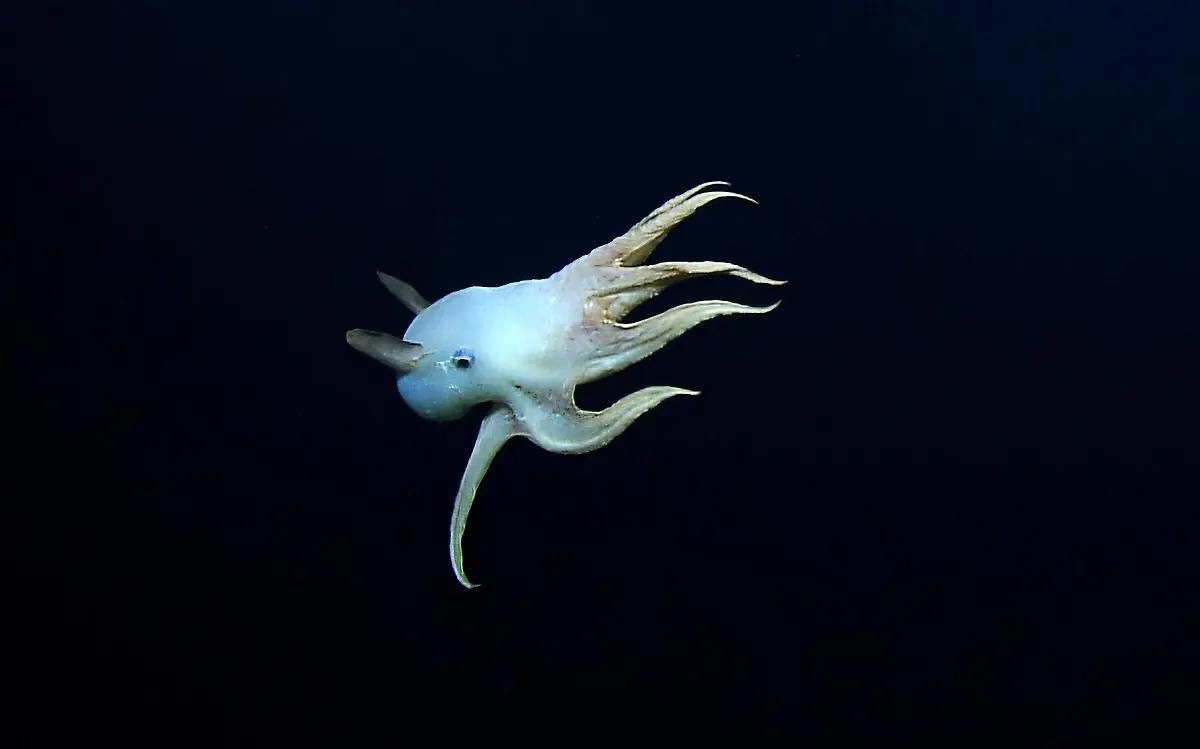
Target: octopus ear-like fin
400, 355
497, 428
404, 292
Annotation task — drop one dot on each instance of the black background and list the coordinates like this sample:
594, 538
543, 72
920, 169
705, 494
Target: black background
947, 487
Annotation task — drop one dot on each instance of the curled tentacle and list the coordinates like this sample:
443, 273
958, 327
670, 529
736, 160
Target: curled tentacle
627, 288
498, 427
634, 246
618, 345
553, 421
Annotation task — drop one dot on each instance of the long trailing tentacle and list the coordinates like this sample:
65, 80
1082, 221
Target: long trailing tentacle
498, 427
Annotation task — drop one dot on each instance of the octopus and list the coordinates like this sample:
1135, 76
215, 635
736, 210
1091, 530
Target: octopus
524, 347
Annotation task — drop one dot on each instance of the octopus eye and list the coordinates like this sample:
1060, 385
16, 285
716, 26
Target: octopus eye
463, 358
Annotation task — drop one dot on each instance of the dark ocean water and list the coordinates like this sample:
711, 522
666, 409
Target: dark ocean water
948, 487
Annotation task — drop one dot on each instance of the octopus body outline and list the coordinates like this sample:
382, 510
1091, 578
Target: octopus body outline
525, 346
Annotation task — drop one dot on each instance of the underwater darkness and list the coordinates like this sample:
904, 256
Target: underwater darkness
948, 487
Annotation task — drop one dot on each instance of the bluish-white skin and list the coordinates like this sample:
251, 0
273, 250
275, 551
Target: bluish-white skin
525, 346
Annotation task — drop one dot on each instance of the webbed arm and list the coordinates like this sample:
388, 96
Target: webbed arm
498, 427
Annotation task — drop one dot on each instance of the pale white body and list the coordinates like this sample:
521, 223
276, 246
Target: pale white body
525, 346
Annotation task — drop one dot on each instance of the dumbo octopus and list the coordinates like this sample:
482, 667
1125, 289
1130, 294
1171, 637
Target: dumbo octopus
523, 347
